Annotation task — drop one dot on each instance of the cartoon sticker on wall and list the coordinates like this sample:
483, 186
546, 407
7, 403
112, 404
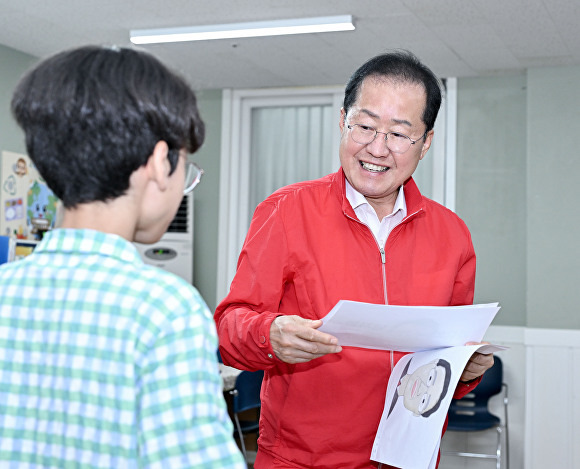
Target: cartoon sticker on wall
10, 187
41, 208
20, 167
29, 206
14, 209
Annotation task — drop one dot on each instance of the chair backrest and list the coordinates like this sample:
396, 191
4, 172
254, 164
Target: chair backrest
476, 401
247, 395
491, 382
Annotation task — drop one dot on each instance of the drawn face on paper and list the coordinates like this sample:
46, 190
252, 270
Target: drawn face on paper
423, 389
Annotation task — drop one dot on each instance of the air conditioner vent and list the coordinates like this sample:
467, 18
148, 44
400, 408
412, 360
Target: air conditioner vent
174, 251
180, 223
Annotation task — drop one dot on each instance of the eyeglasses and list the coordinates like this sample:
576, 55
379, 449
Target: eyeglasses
395, 141
193, 175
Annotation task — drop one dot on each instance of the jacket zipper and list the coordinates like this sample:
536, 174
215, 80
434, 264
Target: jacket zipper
381, 251
383, 258
383, 262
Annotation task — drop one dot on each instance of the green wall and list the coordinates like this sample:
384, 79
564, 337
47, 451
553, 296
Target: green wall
12, 65
517, 189
491, 188
553, 174
206, 204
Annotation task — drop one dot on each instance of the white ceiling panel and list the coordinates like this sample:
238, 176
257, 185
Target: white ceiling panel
454, 37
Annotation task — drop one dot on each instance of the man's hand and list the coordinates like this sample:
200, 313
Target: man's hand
296, 340
477, 364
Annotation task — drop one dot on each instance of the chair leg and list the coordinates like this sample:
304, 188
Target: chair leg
498, 452
507, 449
505, 426
241, 435
507, 443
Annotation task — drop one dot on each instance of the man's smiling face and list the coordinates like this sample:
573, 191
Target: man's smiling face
372, 169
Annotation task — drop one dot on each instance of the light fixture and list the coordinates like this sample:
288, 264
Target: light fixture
320, 24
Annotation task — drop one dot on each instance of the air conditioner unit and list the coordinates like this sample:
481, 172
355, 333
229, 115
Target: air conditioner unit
174, 251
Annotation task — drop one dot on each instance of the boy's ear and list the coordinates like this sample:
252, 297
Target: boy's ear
158, 166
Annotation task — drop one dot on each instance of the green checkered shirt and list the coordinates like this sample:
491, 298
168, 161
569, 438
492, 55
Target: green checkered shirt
106, 362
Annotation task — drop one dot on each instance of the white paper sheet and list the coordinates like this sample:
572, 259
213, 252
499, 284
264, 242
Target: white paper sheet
408, 440
407, 328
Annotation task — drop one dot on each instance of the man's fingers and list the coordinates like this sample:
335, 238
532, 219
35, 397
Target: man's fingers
477, 365
304, 329
312, 335
295, 339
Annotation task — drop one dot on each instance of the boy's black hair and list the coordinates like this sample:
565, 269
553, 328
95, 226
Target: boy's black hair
93, 115
401, 66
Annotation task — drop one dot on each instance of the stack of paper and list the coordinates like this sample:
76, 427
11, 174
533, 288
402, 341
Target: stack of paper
422, 383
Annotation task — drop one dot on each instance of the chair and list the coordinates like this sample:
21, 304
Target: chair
246, 396
471, 413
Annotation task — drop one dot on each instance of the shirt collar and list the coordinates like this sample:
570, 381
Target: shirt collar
356, 199
85, 241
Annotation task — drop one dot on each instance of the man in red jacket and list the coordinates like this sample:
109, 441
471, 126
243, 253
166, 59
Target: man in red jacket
364, 233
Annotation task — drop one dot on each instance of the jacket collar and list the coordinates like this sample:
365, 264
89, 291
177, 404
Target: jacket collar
413, 196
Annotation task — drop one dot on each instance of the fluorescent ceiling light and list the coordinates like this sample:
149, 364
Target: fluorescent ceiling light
235, 30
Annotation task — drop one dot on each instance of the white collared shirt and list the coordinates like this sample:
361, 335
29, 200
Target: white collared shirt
367, 215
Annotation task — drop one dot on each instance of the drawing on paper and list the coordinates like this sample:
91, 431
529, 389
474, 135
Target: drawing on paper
424, 389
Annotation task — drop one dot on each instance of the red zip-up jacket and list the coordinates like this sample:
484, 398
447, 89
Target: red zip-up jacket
304, 251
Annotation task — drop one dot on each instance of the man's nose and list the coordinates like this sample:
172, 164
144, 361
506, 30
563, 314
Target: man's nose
378, 147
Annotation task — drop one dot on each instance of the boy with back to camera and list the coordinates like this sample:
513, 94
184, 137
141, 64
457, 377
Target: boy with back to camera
104, 361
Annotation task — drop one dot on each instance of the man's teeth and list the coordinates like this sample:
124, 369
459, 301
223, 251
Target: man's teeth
374, 167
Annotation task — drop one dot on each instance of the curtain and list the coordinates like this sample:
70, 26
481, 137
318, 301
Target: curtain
289, 144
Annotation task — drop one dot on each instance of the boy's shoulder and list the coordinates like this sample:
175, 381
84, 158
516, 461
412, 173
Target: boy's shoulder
171, 306
166, 284
93, 261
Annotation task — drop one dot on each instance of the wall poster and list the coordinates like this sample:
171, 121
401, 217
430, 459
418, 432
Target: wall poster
28, 206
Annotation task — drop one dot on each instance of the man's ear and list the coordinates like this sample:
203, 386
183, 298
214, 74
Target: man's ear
158, 166
426, 143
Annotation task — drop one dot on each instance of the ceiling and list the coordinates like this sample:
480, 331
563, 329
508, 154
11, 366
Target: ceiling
454, 37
